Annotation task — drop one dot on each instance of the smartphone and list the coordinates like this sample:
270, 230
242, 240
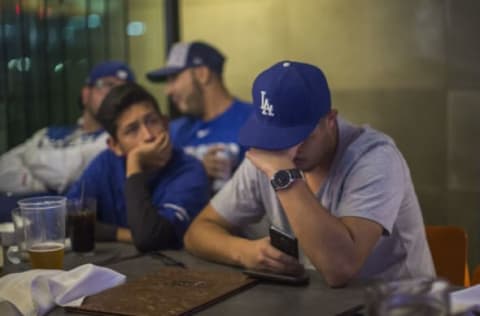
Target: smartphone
284, 242
302, 279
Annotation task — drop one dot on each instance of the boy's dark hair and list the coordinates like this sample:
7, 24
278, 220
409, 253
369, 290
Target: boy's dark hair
120, 99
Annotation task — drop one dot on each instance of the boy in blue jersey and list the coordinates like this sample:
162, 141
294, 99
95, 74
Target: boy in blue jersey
209, 130
147, 192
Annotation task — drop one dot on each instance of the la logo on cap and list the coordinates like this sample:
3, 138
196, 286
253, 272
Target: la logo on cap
267, 108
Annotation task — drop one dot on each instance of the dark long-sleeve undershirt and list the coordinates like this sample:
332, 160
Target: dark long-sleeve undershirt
150, 230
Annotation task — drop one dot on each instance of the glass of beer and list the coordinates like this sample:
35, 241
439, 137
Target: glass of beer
81, 215
44, 227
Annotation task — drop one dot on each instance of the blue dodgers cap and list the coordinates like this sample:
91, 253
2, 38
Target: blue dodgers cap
186, 55
110, 68
289, 99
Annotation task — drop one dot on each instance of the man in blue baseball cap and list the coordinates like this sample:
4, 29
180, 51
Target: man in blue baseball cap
55, 156
343, 191
212, 116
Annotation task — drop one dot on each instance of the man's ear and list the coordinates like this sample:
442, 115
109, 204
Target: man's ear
114, 146
332, 117
203, 75
85, 95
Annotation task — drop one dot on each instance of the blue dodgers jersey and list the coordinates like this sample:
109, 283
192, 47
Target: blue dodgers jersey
179, 190
196, 136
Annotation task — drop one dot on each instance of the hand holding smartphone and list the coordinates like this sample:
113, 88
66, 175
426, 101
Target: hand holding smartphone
289, 245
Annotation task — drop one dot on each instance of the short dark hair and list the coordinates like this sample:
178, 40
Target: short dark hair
120, 99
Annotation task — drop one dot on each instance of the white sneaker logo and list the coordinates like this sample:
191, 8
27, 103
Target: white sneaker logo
267, 108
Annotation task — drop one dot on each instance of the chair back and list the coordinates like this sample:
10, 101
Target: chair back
449, 247
475, 276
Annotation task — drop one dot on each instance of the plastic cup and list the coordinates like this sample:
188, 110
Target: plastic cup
44, 227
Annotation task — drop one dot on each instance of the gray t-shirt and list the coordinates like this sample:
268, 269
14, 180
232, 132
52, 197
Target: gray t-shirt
368, 178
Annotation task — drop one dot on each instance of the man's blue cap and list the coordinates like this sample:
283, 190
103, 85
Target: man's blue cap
289, 100
187, 55
110, 68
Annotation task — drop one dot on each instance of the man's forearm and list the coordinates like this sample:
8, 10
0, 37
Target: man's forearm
325, 240
16, 176
150, 231
209, 240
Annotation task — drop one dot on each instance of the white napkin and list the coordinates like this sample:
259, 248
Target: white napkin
464, 299
35, 292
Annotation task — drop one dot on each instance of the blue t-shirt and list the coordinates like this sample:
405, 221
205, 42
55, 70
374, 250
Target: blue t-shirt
196, 136
179, 190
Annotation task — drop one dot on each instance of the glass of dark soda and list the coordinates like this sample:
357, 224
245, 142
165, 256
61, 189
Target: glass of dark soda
81, 224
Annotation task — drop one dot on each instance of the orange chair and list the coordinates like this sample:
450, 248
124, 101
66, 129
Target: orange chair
449, 247
476, 276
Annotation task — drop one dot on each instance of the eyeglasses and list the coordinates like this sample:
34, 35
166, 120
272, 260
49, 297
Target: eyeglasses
104, 84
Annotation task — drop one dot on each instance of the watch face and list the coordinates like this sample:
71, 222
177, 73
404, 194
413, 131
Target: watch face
281, 179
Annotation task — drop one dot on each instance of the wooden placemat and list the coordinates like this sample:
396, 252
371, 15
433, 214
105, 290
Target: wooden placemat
170, 291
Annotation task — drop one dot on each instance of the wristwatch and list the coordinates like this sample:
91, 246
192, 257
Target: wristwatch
282, 179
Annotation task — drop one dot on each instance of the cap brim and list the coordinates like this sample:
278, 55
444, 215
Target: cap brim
256, 134
161, 74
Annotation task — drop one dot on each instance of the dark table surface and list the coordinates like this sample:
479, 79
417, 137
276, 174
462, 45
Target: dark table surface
263, 299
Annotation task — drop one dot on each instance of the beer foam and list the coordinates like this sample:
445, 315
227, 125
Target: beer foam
46, 247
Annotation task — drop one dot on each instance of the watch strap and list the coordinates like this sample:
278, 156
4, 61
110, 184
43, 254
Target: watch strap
295, 173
